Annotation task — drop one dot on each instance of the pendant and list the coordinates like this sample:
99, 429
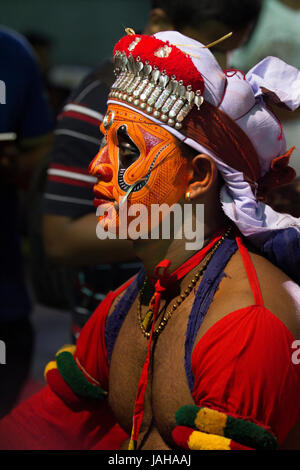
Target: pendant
147, 322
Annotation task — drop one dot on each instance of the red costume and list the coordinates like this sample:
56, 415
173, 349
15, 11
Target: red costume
231, 383
241, 375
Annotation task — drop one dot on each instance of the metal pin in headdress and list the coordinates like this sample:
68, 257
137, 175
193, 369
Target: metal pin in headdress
214, 43
129, 31
145, 86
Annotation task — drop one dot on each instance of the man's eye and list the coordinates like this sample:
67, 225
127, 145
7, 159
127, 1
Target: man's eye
128, 151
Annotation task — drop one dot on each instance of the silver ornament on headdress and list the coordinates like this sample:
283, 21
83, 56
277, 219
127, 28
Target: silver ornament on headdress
152, 90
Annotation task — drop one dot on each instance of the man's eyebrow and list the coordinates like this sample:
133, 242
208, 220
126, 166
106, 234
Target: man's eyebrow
122, 132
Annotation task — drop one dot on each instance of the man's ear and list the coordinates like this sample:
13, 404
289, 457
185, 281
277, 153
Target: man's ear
204, 175
158, 21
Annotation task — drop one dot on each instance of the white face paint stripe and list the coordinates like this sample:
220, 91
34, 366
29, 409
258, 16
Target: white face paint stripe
159, 123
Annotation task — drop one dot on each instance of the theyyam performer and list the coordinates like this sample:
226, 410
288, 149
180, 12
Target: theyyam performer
199, 349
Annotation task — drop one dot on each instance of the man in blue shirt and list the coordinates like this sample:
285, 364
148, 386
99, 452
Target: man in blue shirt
24, 112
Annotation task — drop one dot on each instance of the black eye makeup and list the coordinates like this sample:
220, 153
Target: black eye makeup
128, 151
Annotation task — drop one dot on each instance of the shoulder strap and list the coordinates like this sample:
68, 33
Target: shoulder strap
251, 273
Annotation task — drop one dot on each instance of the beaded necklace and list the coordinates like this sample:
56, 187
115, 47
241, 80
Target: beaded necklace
146, 323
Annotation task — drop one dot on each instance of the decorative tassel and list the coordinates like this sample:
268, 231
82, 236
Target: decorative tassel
217, 424
147, 320
196, 440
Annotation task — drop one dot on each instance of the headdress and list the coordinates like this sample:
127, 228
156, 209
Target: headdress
176, 82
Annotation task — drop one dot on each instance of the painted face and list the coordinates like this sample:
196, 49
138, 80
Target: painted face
141, 157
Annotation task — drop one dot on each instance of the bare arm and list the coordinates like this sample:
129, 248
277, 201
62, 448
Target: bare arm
32, 151
74, 242
18, 162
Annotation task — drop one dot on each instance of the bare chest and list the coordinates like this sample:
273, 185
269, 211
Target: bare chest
167, 388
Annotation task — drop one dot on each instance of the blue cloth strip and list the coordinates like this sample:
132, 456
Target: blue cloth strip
115, 320
204, 296
283, 250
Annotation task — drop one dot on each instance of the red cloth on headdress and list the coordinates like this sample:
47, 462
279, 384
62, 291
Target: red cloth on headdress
221, 135
279, 174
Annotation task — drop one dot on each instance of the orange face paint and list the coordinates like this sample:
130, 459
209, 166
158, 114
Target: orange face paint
159, 171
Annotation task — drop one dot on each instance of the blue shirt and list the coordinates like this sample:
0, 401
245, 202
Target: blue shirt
26, 113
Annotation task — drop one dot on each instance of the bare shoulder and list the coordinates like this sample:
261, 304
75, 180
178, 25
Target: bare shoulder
280, 294
121, 292
114, 303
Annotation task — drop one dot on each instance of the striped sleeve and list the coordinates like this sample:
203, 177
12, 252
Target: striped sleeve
68, 191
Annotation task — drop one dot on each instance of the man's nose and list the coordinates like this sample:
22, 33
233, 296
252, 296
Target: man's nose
100, 166
103, 172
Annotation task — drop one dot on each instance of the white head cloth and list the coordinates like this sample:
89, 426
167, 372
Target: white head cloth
241, 98
243, 102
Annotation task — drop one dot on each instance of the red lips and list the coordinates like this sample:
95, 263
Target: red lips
98, 202
100, 198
